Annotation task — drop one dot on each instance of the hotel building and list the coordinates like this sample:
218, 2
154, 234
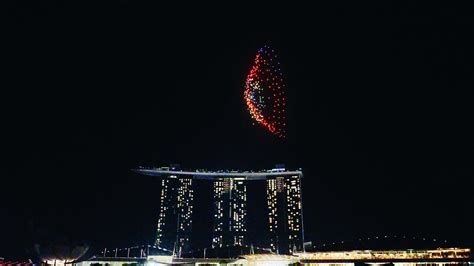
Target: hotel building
230, 214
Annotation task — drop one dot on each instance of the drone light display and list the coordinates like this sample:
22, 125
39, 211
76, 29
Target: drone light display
265, 92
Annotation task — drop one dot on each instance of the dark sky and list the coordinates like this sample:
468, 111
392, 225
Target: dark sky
379, 98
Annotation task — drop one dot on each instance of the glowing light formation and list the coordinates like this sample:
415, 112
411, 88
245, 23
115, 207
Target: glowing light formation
265, 92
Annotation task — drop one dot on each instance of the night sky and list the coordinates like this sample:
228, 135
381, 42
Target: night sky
380, 106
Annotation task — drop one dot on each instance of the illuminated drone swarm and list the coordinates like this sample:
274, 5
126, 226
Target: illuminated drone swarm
265, 92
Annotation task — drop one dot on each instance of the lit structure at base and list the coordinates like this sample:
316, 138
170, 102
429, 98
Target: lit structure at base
408, 257
284, 207
230, 200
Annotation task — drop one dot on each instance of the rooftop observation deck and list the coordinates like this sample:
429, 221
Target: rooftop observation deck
212, 175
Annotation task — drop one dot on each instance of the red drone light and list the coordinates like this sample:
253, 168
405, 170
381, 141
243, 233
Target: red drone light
264, 92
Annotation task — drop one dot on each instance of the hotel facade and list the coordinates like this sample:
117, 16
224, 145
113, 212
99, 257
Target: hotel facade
284, 210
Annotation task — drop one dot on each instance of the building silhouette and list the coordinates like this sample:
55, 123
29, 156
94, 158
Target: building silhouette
229, 222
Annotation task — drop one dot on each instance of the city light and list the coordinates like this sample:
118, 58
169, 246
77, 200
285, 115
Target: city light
447, 253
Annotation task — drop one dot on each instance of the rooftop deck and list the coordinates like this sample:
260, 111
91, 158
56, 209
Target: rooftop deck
211, 175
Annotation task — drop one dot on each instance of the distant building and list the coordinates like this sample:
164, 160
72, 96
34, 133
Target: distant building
284, 207
407, 257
